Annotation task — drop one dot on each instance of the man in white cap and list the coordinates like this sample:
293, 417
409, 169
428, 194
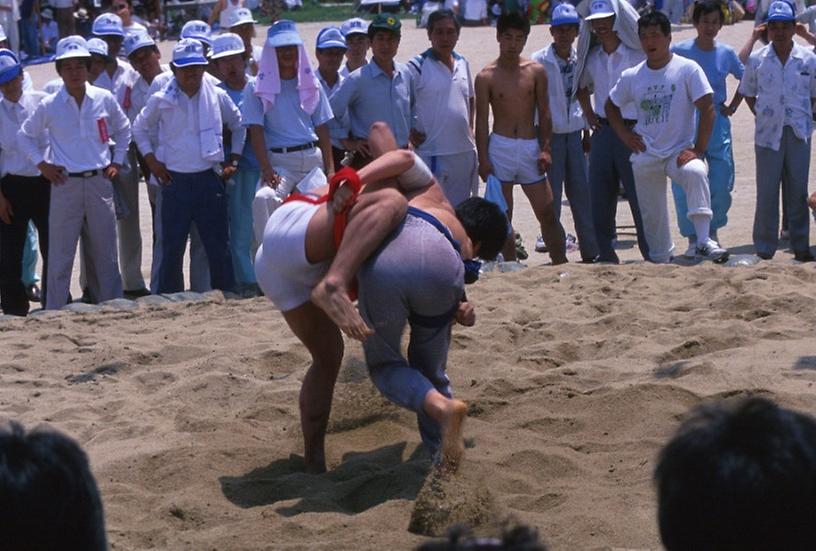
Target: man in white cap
286, 112
198, 30
609, 165
24, 193
79, 120
331, 45
355, 31
779, 86
228, 55
180, 134
568, 171
444, 104
241, 22
118, 78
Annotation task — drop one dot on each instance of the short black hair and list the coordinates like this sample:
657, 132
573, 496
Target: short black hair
48, 496
439, 15
151, 47
739, 476
59, 62
485, 225
513, 20
654, 18
704, 7
513, 538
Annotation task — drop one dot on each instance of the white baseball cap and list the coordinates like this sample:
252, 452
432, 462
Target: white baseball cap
355, 25
187, 52
72, 46
227, 44
330, 37
47, 13
241, 16
10, 67
108, 24
97, 46
598, 9
136, 41
197, 30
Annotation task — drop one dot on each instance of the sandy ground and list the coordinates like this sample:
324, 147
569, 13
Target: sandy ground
575, 376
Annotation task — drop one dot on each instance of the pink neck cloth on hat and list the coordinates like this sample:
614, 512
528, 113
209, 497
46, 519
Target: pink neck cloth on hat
268, 83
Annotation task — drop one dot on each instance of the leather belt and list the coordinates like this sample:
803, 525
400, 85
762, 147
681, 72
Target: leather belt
309, 145
628, 122
85, 174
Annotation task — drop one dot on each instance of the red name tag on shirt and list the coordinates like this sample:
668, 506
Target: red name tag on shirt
126, 102
103, 130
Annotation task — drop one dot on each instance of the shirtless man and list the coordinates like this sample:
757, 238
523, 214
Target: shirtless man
515, 87
423, 287
307, 277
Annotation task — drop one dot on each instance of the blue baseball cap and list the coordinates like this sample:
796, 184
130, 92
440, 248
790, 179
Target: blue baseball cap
137, 41
197, 30
187, 52
780, 11
108, 24
331, 37
283, 33
565, 14
10, 67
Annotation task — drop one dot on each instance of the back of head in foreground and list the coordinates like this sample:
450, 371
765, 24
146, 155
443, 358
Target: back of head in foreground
48, 497
513, 538
485, 225
739, 477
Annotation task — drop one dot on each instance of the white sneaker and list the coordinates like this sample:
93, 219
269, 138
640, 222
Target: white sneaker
691, 252
711, 250
540, 246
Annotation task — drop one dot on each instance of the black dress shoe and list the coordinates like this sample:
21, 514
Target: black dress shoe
33, 293
803, 256
133, 295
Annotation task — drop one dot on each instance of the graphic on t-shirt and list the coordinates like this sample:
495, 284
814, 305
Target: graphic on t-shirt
656, 103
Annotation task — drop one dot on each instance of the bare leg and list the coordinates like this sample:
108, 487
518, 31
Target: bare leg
371, 219
324, 342
541, 200
509, 249
451, 416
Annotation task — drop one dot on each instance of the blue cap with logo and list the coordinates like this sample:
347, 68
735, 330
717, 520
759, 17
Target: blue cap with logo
355, 25
330, 37
565, 14
137, 41
10, 67
72, 46
283, 33
225, 45
108, 24
197, 30
187, 52
780, 11
598, 9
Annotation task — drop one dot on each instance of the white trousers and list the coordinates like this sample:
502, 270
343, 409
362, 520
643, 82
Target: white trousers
650, 174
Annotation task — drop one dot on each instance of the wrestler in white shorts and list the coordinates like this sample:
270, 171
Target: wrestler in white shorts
515, 160
284, 274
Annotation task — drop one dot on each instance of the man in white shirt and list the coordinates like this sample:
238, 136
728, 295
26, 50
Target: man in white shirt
779, 86
180, 134
667, 90
568, 172
79, 120
118, 78
609, 165
24, 193
444, 105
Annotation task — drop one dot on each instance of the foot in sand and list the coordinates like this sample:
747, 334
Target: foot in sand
334, 301
452, 443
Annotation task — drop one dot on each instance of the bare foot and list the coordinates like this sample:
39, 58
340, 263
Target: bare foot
452, 444
335, 302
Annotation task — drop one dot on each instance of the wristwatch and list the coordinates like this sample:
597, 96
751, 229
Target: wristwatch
234, 163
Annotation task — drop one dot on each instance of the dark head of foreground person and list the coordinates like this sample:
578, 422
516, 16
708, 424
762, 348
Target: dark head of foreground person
48, 497
485, 224
739, 477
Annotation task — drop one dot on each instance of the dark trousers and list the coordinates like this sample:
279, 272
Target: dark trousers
197, 197
608, 167
29, 198
338, 155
